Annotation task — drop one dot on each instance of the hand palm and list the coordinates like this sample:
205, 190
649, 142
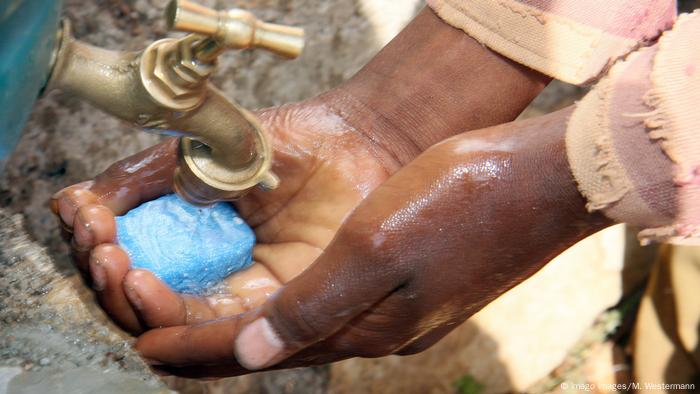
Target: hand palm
326, 169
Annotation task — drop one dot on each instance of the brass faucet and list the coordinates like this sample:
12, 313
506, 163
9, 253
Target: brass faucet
165, 88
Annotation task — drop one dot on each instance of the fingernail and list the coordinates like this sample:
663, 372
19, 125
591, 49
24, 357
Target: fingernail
82, 233
133, 296
258, 345
66, 210
69, 203
99, 276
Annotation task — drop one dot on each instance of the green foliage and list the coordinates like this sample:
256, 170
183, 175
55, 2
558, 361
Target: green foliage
468, 385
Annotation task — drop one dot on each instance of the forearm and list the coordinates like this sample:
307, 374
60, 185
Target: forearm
432, 82
535, 207
490, 207
457, 227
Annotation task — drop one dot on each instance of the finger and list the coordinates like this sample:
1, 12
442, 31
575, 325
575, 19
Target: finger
109, 265
244, 291
68, 200
232, 368
226, 305
209, 343
426, 341
201, 372
93, 225
349, 278
124, 185
160, 306
206, 343
139, 178
206, 350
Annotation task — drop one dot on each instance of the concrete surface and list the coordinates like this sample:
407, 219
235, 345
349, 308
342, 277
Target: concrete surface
49, 321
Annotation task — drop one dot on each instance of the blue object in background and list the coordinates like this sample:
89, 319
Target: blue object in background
188, 247
27, 39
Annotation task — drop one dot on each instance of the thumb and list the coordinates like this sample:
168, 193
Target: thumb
346, 280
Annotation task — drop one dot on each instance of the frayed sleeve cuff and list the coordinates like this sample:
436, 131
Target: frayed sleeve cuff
570, 40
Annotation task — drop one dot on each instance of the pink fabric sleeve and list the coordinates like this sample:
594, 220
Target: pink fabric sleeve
571, 40
634, 144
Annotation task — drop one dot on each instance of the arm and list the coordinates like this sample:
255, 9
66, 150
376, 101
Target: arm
373, 293
475, 215
330, 152
430, 83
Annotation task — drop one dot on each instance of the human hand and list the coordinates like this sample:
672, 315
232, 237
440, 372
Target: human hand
427, 249
330, 152
327, 169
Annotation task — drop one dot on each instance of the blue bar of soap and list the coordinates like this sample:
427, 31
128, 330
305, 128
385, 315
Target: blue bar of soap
188, 247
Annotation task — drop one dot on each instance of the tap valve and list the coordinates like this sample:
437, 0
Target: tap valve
232, 29
219, 164
223, 150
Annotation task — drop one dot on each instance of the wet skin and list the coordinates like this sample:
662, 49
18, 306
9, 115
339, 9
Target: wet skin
466, 221
424, 251
331, 152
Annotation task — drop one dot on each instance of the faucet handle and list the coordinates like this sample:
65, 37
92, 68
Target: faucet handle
236, 28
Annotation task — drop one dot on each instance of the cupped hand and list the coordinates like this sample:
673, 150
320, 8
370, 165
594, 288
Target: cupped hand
463, 223
403, 101
327, 168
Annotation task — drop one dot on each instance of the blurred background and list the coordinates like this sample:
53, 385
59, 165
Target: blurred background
571, 323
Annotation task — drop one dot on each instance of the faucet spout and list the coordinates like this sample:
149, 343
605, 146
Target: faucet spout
107, 79
223, 150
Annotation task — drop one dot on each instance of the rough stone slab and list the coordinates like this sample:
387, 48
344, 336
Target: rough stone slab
6, 375
49, 320
81, 381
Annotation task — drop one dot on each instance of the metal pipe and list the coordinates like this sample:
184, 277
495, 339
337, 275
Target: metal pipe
107, 79
223, 152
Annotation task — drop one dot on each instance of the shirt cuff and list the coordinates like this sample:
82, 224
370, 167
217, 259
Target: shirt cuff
633, 143
570, 40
